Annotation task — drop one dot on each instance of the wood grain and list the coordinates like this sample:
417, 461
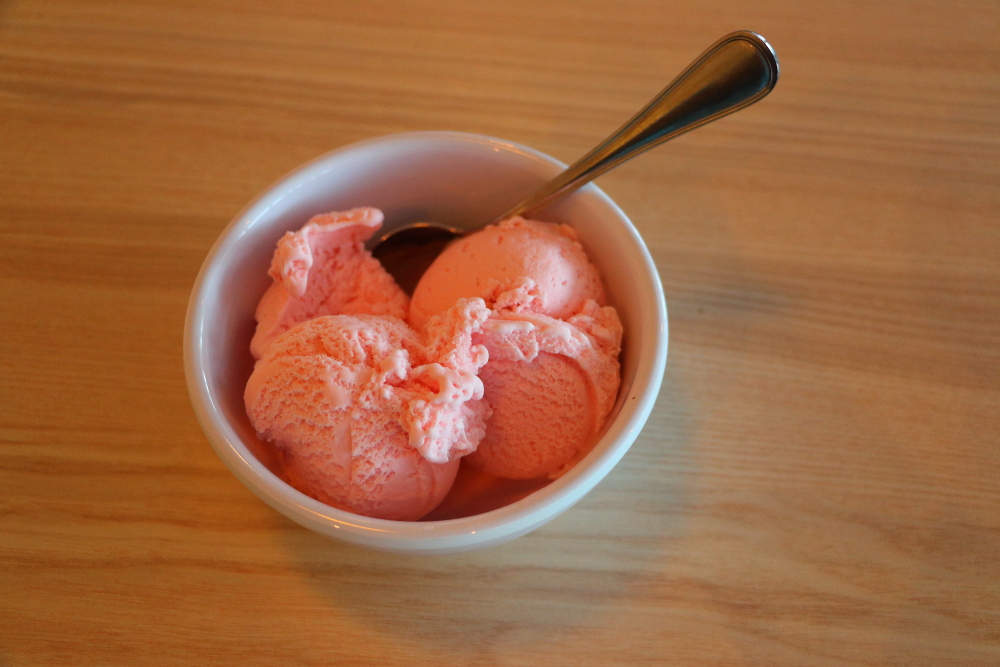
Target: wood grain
818, 485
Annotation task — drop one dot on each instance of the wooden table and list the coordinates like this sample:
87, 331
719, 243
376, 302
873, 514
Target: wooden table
818, 485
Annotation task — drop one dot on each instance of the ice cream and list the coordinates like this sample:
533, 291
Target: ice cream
323, 269
551, 385
552, 375
495, 260
511, 363
367, 415
329, 395
363, 419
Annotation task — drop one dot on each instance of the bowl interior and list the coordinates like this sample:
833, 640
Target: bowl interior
462, 180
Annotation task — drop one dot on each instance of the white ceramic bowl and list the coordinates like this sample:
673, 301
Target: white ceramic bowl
459, 179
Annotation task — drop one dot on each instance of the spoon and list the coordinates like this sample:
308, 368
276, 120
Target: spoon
733, 73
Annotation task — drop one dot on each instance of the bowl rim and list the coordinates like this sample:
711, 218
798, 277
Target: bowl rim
462, 533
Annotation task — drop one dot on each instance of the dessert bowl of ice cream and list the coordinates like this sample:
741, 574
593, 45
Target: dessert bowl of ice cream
255, 339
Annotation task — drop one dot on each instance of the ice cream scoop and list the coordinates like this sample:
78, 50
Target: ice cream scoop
551, 384
736, 71
552, 343
366, 415
495, 261
323, 269
331, 395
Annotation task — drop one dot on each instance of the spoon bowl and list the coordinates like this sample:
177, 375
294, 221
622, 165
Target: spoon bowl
410, 250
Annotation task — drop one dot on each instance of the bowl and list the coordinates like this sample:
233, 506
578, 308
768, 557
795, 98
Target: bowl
455, 178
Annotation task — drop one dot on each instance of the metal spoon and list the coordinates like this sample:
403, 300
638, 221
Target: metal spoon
733, 73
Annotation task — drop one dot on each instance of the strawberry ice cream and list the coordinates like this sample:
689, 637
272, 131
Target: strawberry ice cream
367, 415
551, 384
363, 419
323, 269
553, 374
511, 364
496, 258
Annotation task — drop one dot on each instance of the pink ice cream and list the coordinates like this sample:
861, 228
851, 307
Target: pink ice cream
551, 384
366, 416
323, 269
511, 364
553, 373
495, 259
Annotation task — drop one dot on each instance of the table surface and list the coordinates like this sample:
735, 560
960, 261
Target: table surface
819, 483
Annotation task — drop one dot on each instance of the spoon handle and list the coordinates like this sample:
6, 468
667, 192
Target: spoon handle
733, 73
